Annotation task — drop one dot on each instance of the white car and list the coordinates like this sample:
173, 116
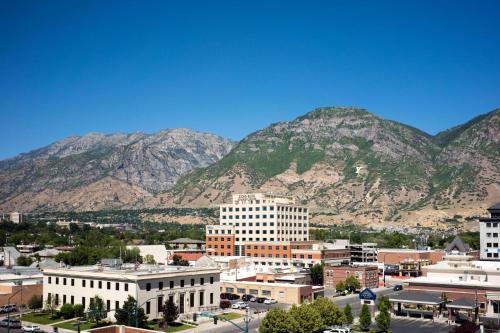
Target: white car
270, 301
338, 330
31, 328
239, 305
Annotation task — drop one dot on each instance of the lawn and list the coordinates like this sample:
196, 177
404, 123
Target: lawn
172, 327
69, 325
230, 315
43, 318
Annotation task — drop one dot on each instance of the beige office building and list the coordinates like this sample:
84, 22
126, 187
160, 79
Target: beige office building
192, 289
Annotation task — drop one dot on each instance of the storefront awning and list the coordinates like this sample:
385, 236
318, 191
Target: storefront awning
416, 297
462, 303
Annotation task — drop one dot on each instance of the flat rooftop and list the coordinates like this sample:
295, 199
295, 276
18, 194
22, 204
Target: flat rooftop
129, 271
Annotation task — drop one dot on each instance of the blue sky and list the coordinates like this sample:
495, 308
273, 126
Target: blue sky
72, 67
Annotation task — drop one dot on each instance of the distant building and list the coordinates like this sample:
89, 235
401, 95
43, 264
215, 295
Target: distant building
186, 243
191, 289
259, 217
159, 252
16, 217
365, 252
396, 256
366, 275
489, 231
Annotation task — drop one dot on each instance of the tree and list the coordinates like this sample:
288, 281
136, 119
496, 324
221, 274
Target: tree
348, 314
78, 310
24, 261
67, 311
178, 261
96, 311
365, 318
278, 321
50, 304
383, 319
352, 283
129, 312
307, 317
330, 312
35, 302
170, 311
317, 274
149, 259
340, 286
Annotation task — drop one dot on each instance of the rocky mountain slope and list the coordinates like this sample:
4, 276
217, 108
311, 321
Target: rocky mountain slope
350, 165
98, 171
347, 164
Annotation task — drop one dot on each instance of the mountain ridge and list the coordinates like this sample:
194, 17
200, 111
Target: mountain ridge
346, 163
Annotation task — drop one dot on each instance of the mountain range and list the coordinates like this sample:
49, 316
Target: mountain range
347, 164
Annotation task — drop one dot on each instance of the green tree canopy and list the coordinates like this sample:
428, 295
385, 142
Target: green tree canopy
352, 283
348, 314
317, 274
129, 312
340, 286
24, 261
96, 311
170, 311
308, 318
278, 321
329, 312
365, 318
67, 311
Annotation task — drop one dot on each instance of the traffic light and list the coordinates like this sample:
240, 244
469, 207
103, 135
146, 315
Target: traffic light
215, 320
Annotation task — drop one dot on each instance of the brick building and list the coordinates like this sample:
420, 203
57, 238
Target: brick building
366, 275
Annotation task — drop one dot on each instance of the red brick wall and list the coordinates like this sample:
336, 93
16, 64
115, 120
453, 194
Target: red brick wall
21, 297
220, 245
367, 275
266, 250
394, 258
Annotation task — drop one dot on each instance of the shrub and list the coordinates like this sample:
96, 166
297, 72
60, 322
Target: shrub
67, 311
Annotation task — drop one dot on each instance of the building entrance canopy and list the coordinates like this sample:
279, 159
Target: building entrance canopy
419, 298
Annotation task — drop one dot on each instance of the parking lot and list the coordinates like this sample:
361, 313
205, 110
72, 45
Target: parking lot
261, 306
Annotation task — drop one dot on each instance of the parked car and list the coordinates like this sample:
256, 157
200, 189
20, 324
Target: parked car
31, 328
239, 305
247, 298
338, 330
261, 299
253, 299
225, 304
270, 301
15, 323
224, 295
398, 287
234, 296
4, 322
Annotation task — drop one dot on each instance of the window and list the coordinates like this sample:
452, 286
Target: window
72, 282
126, 286
160, 285
57, 280
64, 299
64, 281
192, 282
83, 283
191, 300
72, 299
229, 290
100, 284
182, 283
211, 298
83, 302
202, 281
253, 292
91, 283
117, 305
148, 286
148, 307
241, 290
117, 286
108, 305
108, 285
202, 296
171, 284
211, 280
50, 279
266, 292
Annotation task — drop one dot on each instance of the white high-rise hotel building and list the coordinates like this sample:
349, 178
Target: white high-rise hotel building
259, 217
